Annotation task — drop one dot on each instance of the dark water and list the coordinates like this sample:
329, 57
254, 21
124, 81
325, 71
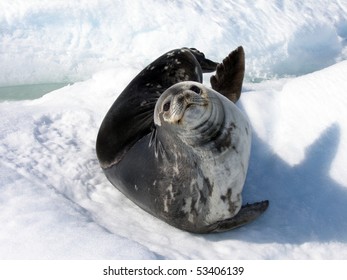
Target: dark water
28, 92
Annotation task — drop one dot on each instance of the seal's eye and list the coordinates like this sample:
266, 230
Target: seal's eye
166, 106
195, 89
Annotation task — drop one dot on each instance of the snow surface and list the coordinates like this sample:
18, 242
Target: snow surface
55, 202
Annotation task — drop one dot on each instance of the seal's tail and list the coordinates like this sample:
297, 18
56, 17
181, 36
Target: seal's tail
247, 213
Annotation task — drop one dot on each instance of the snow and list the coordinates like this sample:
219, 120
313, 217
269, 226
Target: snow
55, 202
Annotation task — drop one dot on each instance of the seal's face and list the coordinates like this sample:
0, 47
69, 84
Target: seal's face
191, 109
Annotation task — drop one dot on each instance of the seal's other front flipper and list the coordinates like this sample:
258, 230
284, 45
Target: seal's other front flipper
229, 75
207, 65
248, 213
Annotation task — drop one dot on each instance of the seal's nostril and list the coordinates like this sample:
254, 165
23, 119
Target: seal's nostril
196, 89
166, 106
180, 99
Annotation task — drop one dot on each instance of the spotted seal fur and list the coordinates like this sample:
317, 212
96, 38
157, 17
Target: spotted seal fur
179, 149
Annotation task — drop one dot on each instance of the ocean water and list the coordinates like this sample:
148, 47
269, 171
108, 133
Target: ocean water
28, 92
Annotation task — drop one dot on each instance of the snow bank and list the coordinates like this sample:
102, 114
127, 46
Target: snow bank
302, 110
39, 223
44, 41
48, 168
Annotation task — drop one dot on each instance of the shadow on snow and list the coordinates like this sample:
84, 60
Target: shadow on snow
306, 205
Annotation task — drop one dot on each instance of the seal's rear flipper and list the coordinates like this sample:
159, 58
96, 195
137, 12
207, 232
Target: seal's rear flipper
229, 75
248, 213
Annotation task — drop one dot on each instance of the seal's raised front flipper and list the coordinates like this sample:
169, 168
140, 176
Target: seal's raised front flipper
248, 213
229, 75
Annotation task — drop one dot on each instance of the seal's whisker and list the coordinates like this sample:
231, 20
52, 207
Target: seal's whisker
176, 110
144, 115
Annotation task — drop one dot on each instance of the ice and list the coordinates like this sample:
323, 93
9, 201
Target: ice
55, 202
304, 107
52, 41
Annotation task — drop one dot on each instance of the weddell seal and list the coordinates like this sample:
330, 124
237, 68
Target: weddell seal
179, 149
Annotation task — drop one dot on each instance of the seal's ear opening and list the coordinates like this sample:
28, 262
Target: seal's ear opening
229, 75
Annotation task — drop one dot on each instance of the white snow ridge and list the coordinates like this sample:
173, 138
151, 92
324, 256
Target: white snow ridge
55, 202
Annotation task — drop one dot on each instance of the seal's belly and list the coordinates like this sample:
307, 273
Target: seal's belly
227, 178
227, 169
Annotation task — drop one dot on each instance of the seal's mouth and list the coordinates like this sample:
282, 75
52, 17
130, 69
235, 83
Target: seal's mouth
195, 108
183, 106
187, 102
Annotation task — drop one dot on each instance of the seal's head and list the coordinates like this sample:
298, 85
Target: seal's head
194, 111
